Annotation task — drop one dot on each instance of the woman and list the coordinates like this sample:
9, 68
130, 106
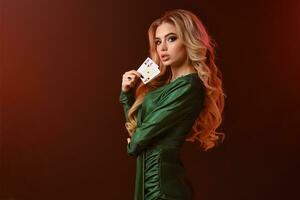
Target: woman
183, 103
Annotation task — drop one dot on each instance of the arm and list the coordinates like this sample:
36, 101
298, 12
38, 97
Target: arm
173, 107
127, 99
127, 95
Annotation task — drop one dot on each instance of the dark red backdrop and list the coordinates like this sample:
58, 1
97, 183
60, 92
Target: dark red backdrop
62, 130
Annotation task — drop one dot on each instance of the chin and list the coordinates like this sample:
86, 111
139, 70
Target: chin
166, 63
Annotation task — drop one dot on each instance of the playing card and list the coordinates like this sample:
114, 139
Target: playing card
149, 70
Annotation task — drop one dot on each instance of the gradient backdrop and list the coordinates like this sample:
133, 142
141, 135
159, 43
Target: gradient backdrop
62, 133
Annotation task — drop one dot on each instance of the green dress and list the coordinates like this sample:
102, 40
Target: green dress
163, 120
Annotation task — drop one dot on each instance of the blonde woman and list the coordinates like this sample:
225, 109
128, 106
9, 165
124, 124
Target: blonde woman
183, 103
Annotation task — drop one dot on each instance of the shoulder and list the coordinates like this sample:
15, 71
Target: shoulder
189, 86
190, 82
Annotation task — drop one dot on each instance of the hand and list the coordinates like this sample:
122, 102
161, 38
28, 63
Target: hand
128, 140
130, 80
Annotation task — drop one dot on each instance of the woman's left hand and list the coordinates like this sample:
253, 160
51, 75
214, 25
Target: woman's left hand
128, 140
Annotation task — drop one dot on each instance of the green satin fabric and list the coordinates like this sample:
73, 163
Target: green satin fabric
163, 121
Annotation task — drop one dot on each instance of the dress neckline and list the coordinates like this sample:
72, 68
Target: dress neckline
173, 82
184, 76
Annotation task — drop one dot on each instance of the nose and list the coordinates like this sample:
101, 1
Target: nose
164, 46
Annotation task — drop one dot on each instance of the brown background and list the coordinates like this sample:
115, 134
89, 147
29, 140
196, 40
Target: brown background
62, 130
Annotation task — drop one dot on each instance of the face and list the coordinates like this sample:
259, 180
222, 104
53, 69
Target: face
169, 46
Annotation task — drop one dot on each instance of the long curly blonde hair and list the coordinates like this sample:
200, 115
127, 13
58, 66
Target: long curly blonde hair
200, 52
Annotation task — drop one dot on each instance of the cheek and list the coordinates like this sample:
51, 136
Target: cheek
179, 50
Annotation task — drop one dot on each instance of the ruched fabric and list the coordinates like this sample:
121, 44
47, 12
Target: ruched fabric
152, 175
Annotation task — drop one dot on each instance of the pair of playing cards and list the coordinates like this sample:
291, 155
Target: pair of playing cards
149, 70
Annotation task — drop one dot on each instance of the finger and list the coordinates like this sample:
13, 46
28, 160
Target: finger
131, 79
135, 73
131, 76
127, 84
136, 78
132, 84
127, 77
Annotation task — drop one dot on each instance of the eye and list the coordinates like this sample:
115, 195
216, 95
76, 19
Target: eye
172, 38
157, 42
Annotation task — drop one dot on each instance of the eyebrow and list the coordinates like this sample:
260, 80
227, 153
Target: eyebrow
166, 35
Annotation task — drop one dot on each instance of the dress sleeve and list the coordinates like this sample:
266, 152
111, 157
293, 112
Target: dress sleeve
180, 101
127, 99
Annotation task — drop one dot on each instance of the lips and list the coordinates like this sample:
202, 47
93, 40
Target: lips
165, 57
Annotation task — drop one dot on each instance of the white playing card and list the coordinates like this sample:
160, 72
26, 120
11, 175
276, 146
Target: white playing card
149, 70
